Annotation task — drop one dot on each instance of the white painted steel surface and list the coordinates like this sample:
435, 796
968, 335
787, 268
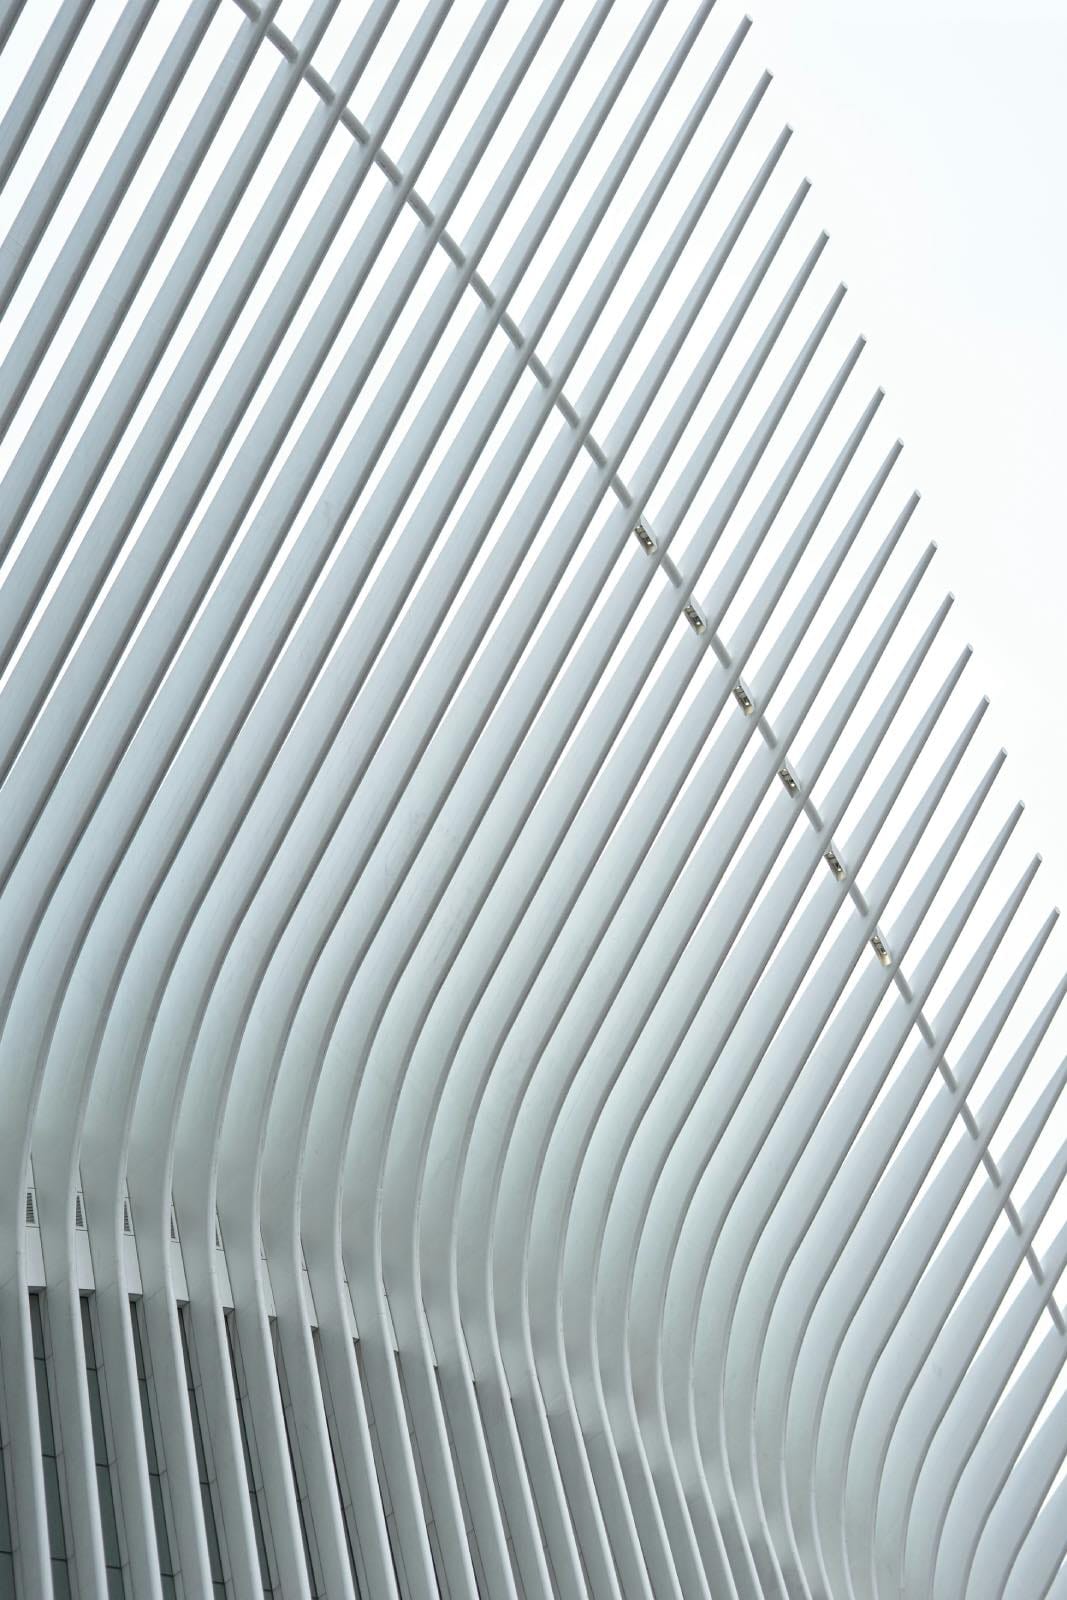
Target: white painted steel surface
519, 1046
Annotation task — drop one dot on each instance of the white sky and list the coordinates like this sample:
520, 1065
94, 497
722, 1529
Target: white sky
935, 136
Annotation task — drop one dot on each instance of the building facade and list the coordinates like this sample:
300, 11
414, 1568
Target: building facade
521, 1070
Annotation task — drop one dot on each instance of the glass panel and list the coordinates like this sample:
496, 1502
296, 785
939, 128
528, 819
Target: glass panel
56, 1543
214, 1553
5, 1525
105, 1489
261, 1548
138, 1342
331, 1430
96, 1411
44, 1409
201, 1464
253, 1493
185, 1348
159, 1510
312, 1581
37, 1326
112, 1553
299, 1485
198, 1441
149, 1430
159, 1516
87, 1333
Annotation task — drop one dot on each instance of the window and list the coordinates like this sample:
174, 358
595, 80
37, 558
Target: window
255, 1486
210, 1521
57, 1533
157, 1483
103, 1456
331, 1428
7, 1543
307, 1531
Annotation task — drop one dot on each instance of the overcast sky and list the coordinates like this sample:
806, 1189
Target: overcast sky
935, 136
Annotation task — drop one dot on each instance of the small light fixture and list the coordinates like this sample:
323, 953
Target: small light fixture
835, 866
881, 950
644, 538
743, 701
693, 617
788, 779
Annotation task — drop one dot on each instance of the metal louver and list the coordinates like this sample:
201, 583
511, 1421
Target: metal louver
453, 611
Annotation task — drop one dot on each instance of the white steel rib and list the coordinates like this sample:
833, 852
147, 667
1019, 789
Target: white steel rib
523, 1067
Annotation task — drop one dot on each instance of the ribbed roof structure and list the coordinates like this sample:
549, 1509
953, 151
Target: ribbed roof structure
520, 1070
